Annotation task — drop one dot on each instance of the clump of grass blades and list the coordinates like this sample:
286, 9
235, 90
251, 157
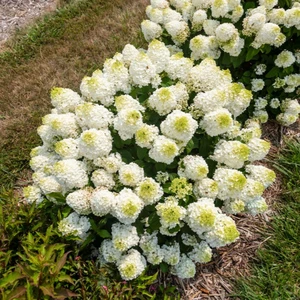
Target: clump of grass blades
276, 274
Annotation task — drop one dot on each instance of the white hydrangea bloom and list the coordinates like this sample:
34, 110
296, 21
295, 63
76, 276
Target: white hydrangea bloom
111, 163
171, 254
179, 126
257, 84
129, 53
127, 122
164, 150
203, 4
151, 30
91, 115
159, 55
159, 3
185, 268
276, 16
201, 253
261, 174
238, 98
149, 244
253, 189
231, 153
257, 206
217, 122
64, 100
290, 106
269, 34
179, 31
117, 73
252, 130
207, 188
185, 7
142, 70
258, 149
260, 69
210, 101
204, 46
163, 100
127, 206
80, 201
64, 125
253, 23
71, 173
198, 18
261, 115
274, 103
126, 102
235, 14
223, 233
286, 119
154, 14
260, 103
233, 206
68, 148
189, 240
101, 201
131, 265
131, 174
226, 32
49, 184
95, 143
46, 133
193, 167
74, 225
207, 76
284, 59
32, 194
109, 252
201, 215
145, 135
101, 178
124, 236
170, 213
98, 88
219, 8
179, 67
292, 17
170, 15
269, 4
42, 162
162, 177
149, 191
210, 26
230, 183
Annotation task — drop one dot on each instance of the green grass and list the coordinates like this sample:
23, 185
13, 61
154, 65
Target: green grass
276, 275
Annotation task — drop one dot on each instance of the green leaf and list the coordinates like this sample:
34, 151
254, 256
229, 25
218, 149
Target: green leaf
16, 293
65, 277
101, 232
164, 267
251, 53
61, 262
29, 291
154, 222
10, 278
47, 290
273, 72
63, 293
141, 152
189, 146
58, 197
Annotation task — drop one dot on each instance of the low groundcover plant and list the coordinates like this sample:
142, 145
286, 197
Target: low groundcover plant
155, 154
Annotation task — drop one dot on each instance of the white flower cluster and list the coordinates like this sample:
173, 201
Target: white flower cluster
153, 147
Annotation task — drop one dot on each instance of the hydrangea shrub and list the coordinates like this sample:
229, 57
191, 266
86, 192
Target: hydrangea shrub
258, 41
160, 147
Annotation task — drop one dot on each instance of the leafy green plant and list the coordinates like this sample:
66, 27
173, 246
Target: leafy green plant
39, 273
